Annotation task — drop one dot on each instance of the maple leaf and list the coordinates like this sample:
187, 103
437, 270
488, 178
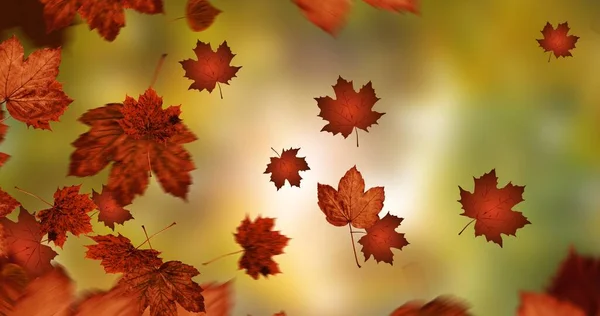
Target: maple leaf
50, 294
217, 301
440, 306
23, 241
107, 16
116, 301
210, 68
287, 167
118, 255
200, 14
7, 203
110, 212
3, 128
534, 304
138, 136
350, 111
331, 15
29, 86
491, 207
557, 41
13, 280
578, 281
161, 287
282, 313
68, 214
260, 244
381, 237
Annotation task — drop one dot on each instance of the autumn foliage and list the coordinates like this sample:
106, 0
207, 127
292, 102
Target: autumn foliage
557, 41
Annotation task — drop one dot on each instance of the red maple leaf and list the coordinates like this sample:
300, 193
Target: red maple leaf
331, 15
3, 128
210, 68
140, 137
350, 204
200, 14
381, 237
491, 207
260, 244
107, 16
118, 255
287, 167
116, 301
578, 281
13, 281
282, 313
557, 40
29, 86
218, 301
440, 306
162, 287
7, 203
350, 111
534, 304
68, 214
110, 212
23, 241
50, 294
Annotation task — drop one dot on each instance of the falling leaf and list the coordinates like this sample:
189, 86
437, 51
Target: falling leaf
491, 207
440, 306
282, 313
350, 111
578, 281
107, 16
3, 128
139, 137
557, 40
381, 237
287, 167
115, 302
200, 14
210, 68
69, 214
23, 239
534, 304
118, 255
161, 287
331, 15
29, 86
110, 212
260, 244
50, 294
13, 281
7, 203
217, 301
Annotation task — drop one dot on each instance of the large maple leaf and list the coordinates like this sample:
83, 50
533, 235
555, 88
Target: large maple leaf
381, 237
139, 137
13, 281
260, 244
287, 167
211, 68
68, 214
331, 15
3, 128
110, 212
350, 110
440, 306
350, 204
23, 241
162, 287
491, 207
118, 255
107, 16
218, 301
578, 281
29, 86
200, 14
557, 41
534, 304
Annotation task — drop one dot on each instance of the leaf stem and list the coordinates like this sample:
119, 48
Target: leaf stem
149, 164
353, 246
465, 227
96, 212
179, 18
220, 92
161, 61
356, 130
35, 196
222, 256
550, 56
147, 239
275, 152
158, 232
6, 118
357, 232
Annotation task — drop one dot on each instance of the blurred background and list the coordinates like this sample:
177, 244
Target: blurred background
465, 87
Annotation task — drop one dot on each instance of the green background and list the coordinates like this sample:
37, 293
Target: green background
465, 88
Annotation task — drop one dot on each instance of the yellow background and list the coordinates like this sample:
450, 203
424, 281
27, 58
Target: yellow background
465, 88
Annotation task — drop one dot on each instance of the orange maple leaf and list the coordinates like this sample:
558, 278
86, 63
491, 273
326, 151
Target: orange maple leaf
557, 41
49, 294
7, 203
110, 212
200, 14
440, 306
115, 301
118, 255
3, 128
29, 86
350, 111
210, 68
13, 281
534, 304
287, 167
260, 244
381, 237
491, 208
218, 301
